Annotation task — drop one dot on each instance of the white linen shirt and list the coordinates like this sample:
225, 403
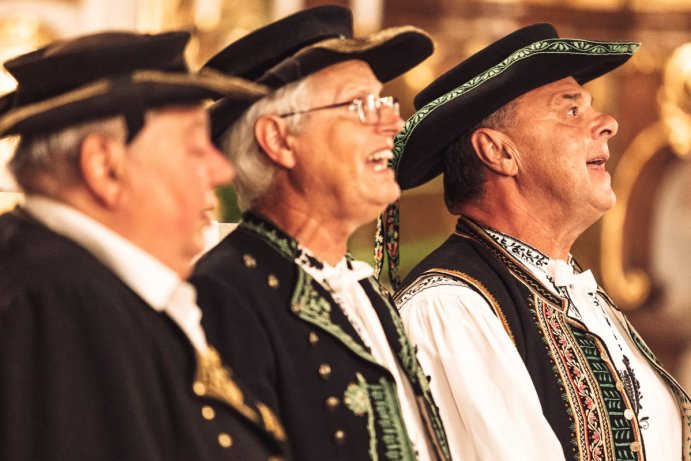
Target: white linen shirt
150, 279
487, 401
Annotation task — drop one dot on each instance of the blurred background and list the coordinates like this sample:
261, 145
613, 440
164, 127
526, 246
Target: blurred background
640, 251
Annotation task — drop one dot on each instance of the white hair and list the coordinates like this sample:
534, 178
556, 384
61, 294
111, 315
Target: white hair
255, 170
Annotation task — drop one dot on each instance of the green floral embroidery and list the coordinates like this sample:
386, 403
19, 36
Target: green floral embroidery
310, 306
551, 46
286, 246
357, 399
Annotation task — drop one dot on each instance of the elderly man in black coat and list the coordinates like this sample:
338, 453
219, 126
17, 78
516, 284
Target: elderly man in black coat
102, 354
318, 339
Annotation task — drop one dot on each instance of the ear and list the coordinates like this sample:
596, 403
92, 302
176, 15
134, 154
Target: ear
272, 135
495, 150
101, 163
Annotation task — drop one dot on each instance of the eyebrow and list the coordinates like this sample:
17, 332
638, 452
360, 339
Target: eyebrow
575, 97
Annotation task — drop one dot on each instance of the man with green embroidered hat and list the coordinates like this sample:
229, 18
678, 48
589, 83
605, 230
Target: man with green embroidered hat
529, 358
316, 338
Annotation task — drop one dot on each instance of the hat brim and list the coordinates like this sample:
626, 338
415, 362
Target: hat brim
389, 52
417, 151
103, 98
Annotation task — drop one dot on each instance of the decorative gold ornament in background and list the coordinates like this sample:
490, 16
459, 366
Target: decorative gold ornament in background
213, 23
631, 286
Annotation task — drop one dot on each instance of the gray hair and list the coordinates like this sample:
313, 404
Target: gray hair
255, 171
464, 173
55, 155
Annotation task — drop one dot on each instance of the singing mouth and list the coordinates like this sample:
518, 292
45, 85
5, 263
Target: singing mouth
380, 160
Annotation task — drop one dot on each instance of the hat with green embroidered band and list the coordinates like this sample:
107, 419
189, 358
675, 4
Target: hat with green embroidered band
301, 44
105, 74
514, 65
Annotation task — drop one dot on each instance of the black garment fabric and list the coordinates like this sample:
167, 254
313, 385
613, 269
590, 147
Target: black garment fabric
293, 345
89, 371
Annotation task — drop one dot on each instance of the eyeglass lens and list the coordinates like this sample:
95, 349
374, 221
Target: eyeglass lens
370, 108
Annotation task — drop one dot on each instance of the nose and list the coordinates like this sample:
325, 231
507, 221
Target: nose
605, 126
390, 121
221, 170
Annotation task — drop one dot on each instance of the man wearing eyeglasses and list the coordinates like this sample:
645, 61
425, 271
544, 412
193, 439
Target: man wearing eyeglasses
314, 335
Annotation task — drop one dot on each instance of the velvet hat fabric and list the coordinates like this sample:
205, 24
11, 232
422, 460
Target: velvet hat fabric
301, 44
462, 97
104, 74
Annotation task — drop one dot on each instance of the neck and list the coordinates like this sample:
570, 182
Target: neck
549, 234
326, 237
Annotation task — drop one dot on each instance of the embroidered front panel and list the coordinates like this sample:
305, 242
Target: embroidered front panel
311, 306
623, 432
591, 426
379, 402
356, 399
416, 374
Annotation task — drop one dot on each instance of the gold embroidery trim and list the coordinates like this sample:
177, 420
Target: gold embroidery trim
484, 292
271, 422
216, 382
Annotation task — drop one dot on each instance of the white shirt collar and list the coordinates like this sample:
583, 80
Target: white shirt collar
152, 280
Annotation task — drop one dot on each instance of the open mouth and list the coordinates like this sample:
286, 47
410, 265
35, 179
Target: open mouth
380, 160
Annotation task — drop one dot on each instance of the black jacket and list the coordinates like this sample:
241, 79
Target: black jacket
89, 371
287, 338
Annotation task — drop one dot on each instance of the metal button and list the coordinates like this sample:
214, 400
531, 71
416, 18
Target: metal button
620, 386
208, 412
325, 370
199, 388
296, 308
339, 437
312, 338
628, 414
635, 446
272, 281
249, 261
225, 440
332, 403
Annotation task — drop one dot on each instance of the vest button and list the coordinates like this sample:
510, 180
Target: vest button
199, 388
332, 403
635, 446
628, 414
225, 440
208, 413
325, 371
339, 437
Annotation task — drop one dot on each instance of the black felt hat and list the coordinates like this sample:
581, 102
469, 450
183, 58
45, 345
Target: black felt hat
462, 97
108, 73
301, 44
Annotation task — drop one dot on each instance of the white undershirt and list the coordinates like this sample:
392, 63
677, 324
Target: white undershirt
153, 281
343, 283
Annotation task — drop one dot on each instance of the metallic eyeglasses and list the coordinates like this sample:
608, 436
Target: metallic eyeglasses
368, 108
